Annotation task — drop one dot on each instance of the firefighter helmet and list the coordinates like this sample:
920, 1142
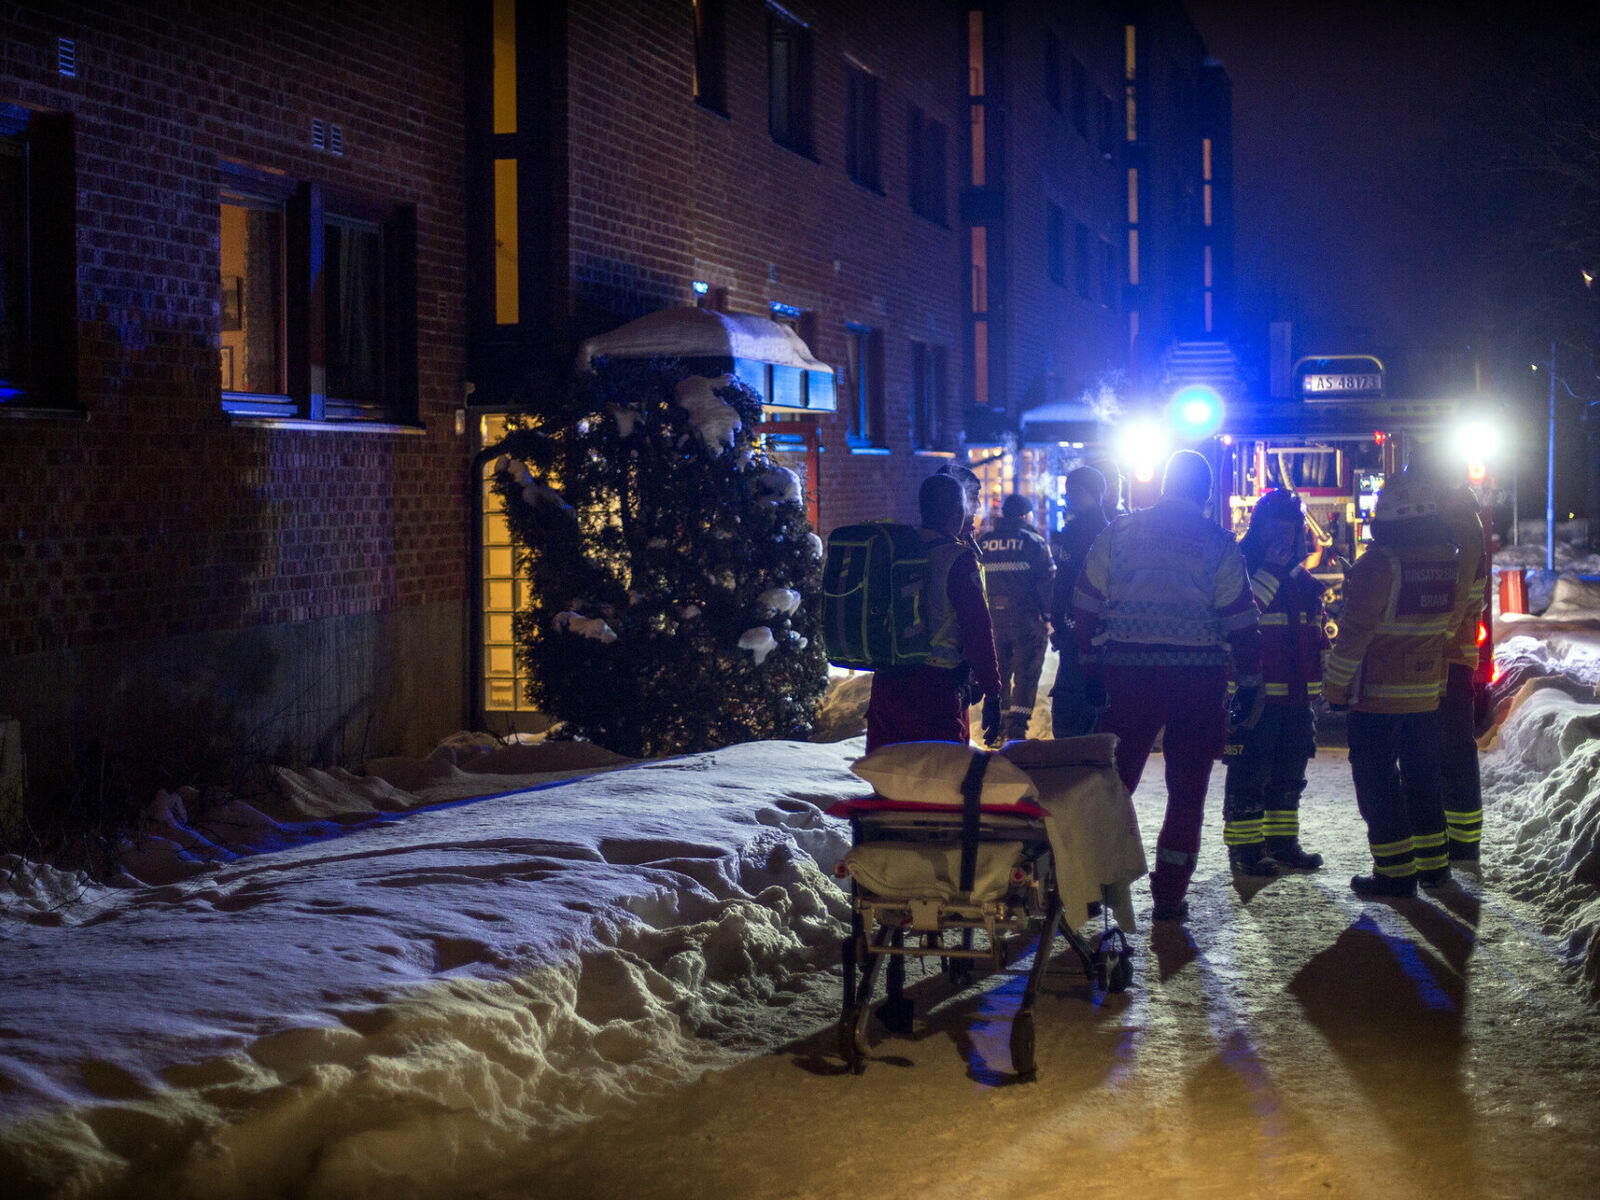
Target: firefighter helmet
1406, 498
1279, 504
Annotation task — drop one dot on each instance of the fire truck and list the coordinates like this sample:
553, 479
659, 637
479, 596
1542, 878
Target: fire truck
1334, 444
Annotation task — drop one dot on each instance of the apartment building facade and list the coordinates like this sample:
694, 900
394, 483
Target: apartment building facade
233, 325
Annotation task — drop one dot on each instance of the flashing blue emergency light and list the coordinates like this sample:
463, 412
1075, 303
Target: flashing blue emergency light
1195, 411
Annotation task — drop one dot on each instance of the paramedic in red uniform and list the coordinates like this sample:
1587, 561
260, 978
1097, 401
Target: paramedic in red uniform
1267, 764
1387, 667
1162, 604
928, 703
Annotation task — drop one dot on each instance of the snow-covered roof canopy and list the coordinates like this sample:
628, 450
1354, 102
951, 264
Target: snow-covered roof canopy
770, 357
1062, 421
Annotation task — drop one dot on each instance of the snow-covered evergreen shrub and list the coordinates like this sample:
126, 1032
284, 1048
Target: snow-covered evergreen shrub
674, 575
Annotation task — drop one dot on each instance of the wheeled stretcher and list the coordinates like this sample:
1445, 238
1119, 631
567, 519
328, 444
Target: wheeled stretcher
968, 857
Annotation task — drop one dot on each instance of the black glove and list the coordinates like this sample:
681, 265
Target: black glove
1094, 692
1245, 710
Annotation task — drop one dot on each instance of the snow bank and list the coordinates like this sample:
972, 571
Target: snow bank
1542, 777
379, 1007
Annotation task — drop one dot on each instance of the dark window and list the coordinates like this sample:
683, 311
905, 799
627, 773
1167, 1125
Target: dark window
710, 75
789, 83
1052, 69
1110, 288
1056, 243
1079, 98
318, 305
864, 403
1108, 126
861, 126
927, 396
1082, 268
925, 141
38, 260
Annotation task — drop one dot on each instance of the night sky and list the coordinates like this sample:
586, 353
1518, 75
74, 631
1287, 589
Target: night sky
1371, 208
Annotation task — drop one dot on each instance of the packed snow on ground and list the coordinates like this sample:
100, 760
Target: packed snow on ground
398, 986
371, 984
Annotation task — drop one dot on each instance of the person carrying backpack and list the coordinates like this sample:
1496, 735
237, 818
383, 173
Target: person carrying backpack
1019, 575
928, 701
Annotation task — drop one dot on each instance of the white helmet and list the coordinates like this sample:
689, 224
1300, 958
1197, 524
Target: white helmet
1406, 498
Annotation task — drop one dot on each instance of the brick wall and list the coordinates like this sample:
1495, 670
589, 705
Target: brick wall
665, 192
157, 518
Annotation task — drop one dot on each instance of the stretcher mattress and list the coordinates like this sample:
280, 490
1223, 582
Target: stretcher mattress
1088, 817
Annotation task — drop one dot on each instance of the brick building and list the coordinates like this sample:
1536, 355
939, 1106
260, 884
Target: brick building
795, 162
232, 304
1096, 200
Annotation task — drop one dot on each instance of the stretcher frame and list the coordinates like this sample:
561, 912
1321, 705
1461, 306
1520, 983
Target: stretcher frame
887, 930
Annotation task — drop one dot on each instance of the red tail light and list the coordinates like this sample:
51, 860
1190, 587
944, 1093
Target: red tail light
1483, 633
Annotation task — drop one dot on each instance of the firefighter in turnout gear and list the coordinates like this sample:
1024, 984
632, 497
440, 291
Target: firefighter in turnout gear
1387, 668
1162, 604
1463, 788
1019, 575
1267, 764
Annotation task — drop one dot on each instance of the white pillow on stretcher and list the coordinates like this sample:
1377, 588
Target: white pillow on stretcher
931, 773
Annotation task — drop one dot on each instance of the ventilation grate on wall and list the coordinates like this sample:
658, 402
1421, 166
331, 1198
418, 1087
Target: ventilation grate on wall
335, 139
66, 56
319, 134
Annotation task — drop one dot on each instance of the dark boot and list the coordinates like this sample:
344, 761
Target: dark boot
1384, 887
1435, 879
1286, 852
1251, 859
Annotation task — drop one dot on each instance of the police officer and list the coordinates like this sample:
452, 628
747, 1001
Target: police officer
1019, 575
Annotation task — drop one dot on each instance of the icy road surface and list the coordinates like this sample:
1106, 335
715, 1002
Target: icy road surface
1291, 1041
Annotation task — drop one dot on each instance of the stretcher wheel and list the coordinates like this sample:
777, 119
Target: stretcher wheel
851, 1050
1022, 1048
959, 971
1113, 966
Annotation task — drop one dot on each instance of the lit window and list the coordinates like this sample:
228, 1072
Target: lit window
252, 294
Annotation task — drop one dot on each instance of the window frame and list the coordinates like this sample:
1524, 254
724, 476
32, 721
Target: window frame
1082, 270
710, 56
308, 207
927, 389
862, 138
864, 354
1055, 241
47, 148
797, 97
927, 169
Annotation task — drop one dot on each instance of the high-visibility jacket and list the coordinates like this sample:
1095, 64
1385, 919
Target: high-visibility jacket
959, 632
1165, 586
1472, 578
1293, 636
1399, 613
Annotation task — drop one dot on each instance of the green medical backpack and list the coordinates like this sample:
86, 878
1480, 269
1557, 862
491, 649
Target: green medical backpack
873, 583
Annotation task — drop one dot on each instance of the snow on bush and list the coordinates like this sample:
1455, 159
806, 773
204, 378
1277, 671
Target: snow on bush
674, 536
